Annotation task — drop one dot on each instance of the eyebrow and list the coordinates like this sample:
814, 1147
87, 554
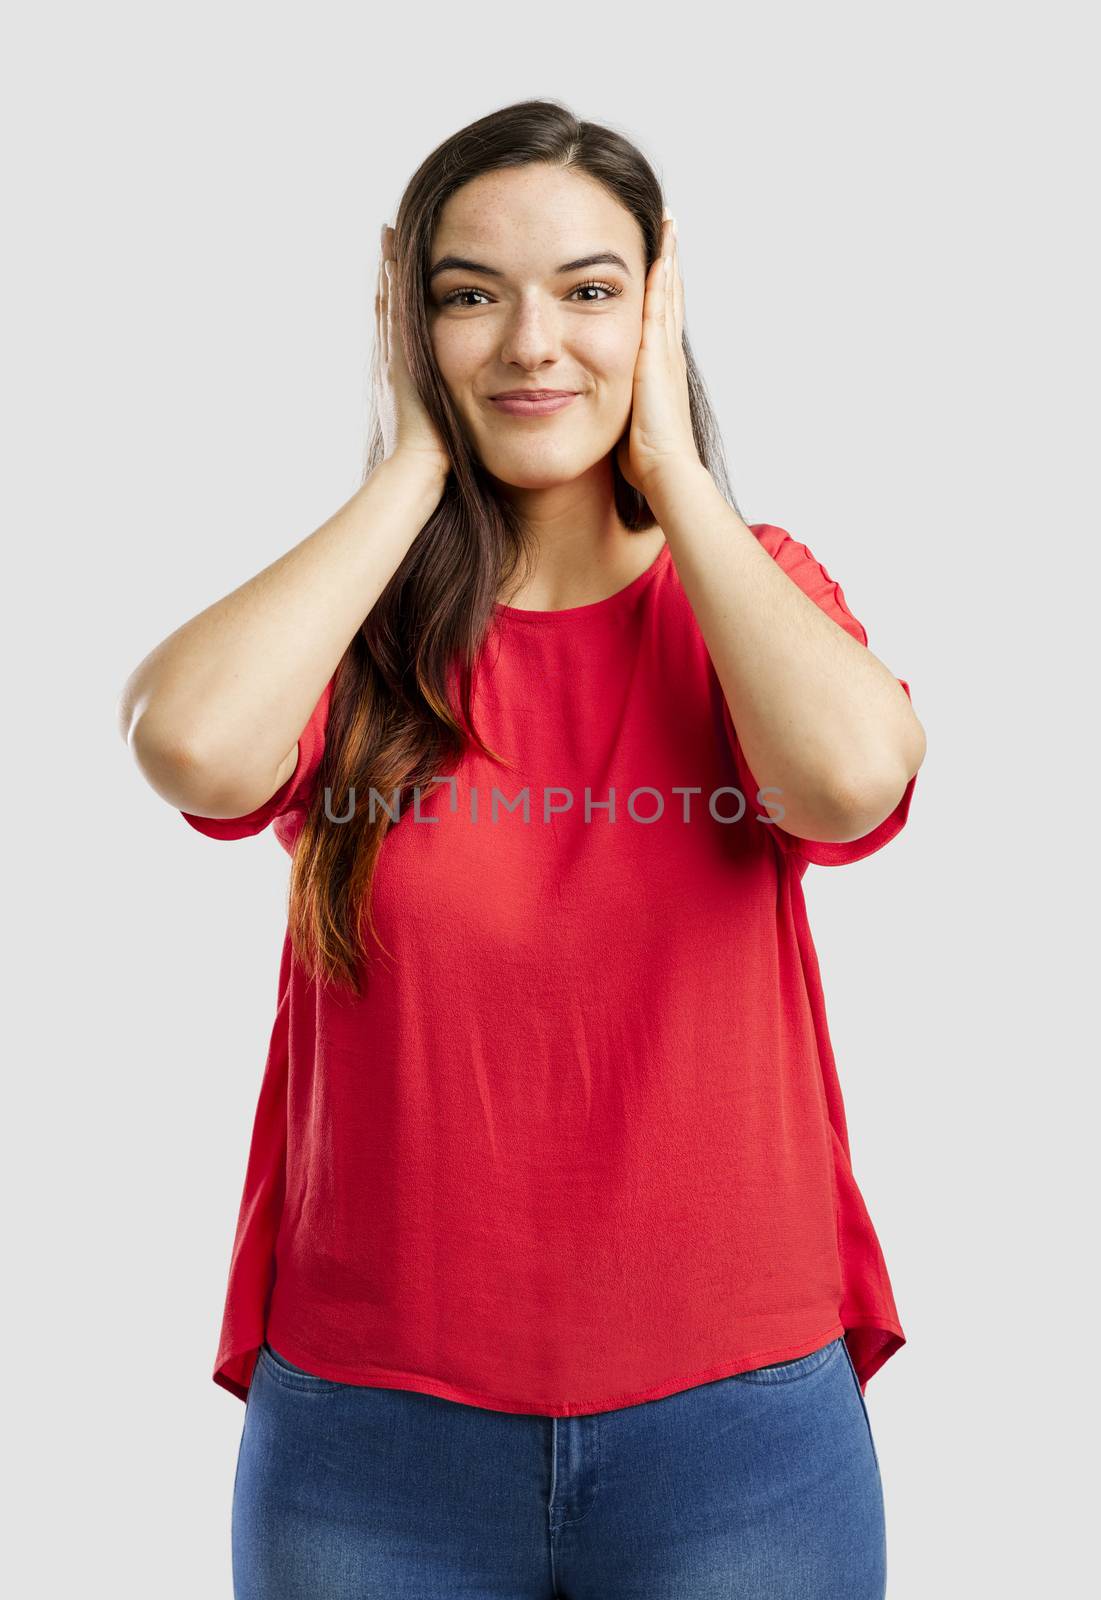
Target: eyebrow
463, 264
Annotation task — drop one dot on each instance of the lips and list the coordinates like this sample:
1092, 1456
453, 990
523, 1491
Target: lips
531, 403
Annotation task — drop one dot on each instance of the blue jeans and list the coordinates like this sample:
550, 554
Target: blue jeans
762, 1486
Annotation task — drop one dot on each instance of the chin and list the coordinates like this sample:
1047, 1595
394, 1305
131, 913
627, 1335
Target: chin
534, 478
542, 470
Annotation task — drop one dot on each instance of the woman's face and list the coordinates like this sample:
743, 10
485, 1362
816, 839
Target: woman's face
517, 320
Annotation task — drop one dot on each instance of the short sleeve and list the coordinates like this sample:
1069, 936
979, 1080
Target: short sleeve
804, 569
295, 794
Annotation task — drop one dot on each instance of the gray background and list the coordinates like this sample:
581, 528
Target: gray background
886, 249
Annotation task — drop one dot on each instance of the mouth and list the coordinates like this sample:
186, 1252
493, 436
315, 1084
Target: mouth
532, 402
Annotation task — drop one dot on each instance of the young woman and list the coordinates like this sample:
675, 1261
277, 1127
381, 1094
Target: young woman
551, 1275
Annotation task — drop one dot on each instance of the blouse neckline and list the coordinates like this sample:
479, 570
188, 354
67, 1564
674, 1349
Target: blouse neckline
595, 608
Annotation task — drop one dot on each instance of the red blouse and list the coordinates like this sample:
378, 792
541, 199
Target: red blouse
581, 1143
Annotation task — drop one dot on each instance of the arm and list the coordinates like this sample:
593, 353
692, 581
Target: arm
818, 715
213, 714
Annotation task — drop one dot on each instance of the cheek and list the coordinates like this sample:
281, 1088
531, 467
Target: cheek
612, 348
458, 347
447, 357
607, 349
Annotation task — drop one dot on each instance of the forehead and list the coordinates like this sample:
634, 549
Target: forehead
528, 219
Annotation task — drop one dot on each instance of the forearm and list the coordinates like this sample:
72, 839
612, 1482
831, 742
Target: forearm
237, 683
818, 715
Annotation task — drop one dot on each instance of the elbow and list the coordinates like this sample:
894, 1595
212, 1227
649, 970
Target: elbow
865, 799
848, 805
143, 727
126, 709
174, 771
191, 781
862, 804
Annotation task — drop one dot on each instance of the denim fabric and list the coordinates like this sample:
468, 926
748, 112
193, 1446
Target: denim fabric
761, 1486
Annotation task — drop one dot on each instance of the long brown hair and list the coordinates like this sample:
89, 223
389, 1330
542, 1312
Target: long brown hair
400, 712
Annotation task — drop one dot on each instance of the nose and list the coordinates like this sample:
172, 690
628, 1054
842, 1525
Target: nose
531, 337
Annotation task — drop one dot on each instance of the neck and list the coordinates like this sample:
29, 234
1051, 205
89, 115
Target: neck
583, 551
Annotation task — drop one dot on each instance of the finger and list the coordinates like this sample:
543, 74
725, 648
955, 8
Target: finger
380, 305
387, 310
650, 313
378, 320
674, 321
669, 288
653, 310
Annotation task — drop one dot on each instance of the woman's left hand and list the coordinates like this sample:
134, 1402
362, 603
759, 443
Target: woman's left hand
659, 430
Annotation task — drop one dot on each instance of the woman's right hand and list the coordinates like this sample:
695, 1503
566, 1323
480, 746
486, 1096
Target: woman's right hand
407, 427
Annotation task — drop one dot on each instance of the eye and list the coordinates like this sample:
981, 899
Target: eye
592, 283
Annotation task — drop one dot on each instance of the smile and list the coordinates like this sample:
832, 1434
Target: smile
515, 406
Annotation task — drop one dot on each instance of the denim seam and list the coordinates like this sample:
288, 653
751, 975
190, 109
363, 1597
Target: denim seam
571, 1522
294, 1378
863, 1403
791, 1371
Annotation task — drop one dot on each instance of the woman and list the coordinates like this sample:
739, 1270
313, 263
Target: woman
551, 1276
